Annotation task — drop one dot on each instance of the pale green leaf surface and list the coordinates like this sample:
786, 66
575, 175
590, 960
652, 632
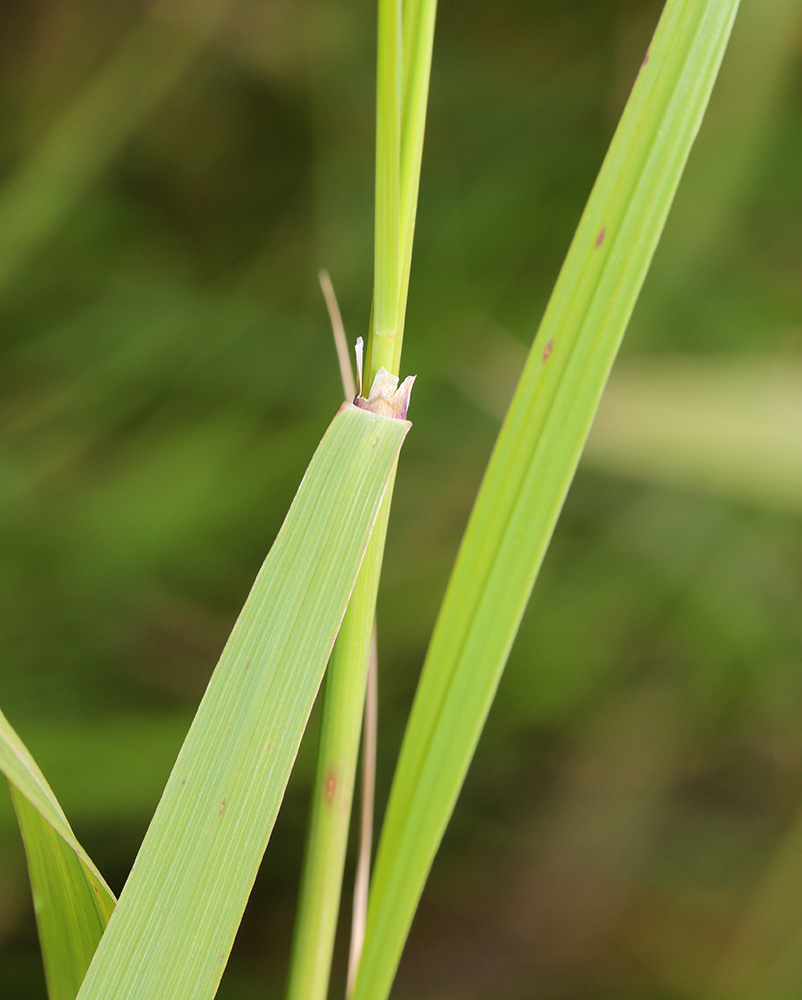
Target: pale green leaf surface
71, 900
72, 907
534, 460
174, 925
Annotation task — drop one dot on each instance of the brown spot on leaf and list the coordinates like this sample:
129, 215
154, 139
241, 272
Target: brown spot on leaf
600, 237
221, 810
331, 787
547, 350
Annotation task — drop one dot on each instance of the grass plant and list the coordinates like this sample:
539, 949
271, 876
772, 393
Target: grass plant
170, 934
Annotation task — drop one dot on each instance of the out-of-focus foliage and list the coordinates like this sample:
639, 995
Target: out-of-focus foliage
630, 825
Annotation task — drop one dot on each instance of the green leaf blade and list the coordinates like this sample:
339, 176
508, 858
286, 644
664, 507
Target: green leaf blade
535, 459
71, 899
72, 908
178, 914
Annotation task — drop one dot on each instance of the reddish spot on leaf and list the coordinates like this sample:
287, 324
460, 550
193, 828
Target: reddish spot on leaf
646, 57
183, 782
600, 237
547, 350
331, 787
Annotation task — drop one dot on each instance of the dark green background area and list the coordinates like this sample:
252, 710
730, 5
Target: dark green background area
631, 826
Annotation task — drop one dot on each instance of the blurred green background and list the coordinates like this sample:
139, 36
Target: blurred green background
173, 176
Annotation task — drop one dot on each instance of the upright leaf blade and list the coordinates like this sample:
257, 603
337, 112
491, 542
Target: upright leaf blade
174, 925
71, 900
72, 908
534, 461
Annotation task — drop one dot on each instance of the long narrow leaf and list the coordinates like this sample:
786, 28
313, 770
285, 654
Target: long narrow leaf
72, 909
174, 925
71, 900
534, 460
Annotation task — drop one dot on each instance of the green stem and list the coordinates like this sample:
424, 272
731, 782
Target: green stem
370, 730
419, 19
400, 120
343, 701
381, 343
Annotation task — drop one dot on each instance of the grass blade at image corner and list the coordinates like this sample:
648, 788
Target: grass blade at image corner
174, 925
534, 460
71, 899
